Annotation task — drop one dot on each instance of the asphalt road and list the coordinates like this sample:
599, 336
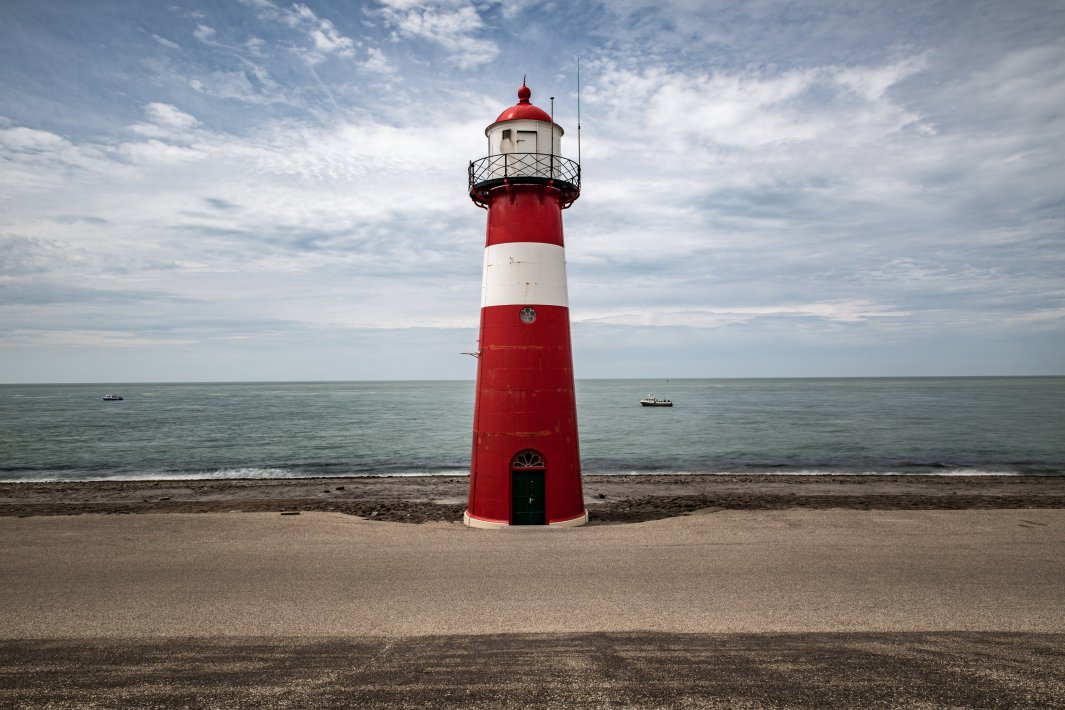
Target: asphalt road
602, 670
726, 609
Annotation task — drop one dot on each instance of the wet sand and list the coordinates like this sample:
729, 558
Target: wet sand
610, 499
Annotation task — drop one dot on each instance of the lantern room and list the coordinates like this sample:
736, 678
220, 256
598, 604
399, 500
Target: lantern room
524, 146
524, 128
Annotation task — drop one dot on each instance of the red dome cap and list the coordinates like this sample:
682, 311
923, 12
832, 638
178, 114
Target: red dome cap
523, 109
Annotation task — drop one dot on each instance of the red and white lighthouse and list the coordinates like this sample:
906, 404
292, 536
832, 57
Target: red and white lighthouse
526, 466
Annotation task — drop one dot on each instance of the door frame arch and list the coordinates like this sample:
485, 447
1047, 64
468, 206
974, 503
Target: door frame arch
528, 480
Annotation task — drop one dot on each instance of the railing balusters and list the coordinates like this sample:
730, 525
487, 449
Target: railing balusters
543, 166
524, 164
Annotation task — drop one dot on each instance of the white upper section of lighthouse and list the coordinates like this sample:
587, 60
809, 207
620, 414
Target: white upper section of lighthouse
524, 128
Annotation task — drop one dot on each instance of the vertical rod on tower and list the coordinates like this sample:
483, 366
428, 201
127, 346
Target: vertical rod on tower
578, 113
552, 158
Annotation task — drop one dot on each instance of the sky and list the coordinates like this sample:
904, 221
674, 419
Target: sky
258, 190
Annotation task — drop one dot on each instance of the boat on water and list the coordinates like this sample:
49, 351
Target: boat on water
652, 401
112, 398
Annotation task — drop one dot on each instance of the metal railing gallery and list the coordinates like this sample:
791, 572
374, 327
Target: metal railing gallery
488, 172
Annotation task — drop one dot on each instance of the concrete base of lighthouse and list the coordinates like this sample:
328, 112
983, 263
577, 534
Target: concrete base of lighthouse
473, 522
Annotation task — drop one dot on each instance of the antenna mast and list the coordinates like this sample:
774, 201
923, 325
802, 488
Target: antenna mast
578, 111
552, 131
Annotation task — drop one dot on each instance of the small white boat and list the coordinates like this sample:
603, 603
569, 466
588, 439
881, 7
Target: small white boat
652, 401
112, 398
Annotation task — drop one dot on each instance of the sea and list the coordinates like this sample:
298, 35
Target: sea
939, 426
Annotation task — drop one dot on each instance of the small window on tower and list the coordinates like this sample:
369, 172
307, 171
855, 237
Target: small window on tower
527, 314
528, 459
506, 134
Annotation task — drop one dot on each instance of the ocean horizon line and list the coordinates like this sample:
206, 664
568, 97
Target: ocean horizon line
577, 379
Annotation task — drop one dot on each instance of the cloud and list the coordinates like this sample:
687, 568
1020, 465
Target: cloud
30, 140
204, 33
775, 195
205, 214
227, 85
328, 41
167, 126
452, 24
156, 152
23, 256
718, 199
325, 40
753, 173
377, 62
86, 338
1046, 314
855, 311
169, 115
872, 82
511, 9
165, 42
220, 204
33, 160
751, 109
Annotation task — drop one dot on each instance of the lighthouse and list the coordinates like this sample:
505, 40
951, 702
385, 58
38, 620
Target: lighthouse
525, 467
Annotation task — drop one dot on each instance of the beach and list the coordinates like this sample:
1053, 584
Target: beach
609, 499
859, 593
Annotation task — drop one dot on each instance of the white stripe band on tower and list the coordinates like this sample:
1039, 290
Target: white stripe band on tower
518, 273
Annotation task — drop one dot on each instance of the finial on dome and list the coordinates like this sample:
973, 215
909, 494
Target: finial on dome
524, 93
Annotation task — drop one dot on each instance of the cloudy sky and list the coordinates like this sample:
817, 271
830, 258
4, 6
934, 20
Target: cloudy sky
261, 190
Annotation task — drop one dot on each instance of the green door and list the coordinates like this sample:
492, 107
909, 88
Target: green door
527, 499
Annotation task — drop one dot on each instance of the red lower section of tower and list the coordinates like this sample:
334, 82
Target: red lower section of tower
525, 401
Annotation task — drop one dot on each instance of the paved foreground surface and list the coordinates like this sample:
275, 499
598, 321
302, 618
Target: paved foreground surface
733, 608
640, 670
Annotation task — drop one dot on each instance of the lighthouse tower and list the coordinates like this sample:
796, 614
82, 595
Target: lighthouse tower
526, 466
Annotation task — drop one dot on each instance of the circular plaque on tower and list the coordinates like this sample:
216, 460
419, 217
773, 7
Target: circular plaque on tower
527, 314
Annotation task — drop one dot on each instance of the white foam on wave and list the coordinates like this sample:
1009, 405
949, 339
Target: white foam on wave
415, 474
241, 472
247, 472
222, 474
955, 472
257, 472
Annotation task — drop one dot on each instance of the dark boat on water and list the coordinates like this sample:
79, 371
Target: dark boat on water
112, 398
652, 401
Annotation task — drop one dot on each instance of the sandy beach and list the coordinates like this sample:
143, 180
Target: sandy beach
856, 594
610, 499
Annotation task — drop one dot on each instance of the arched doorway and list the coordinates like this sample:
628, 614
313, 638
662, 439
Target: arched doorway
528, 499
